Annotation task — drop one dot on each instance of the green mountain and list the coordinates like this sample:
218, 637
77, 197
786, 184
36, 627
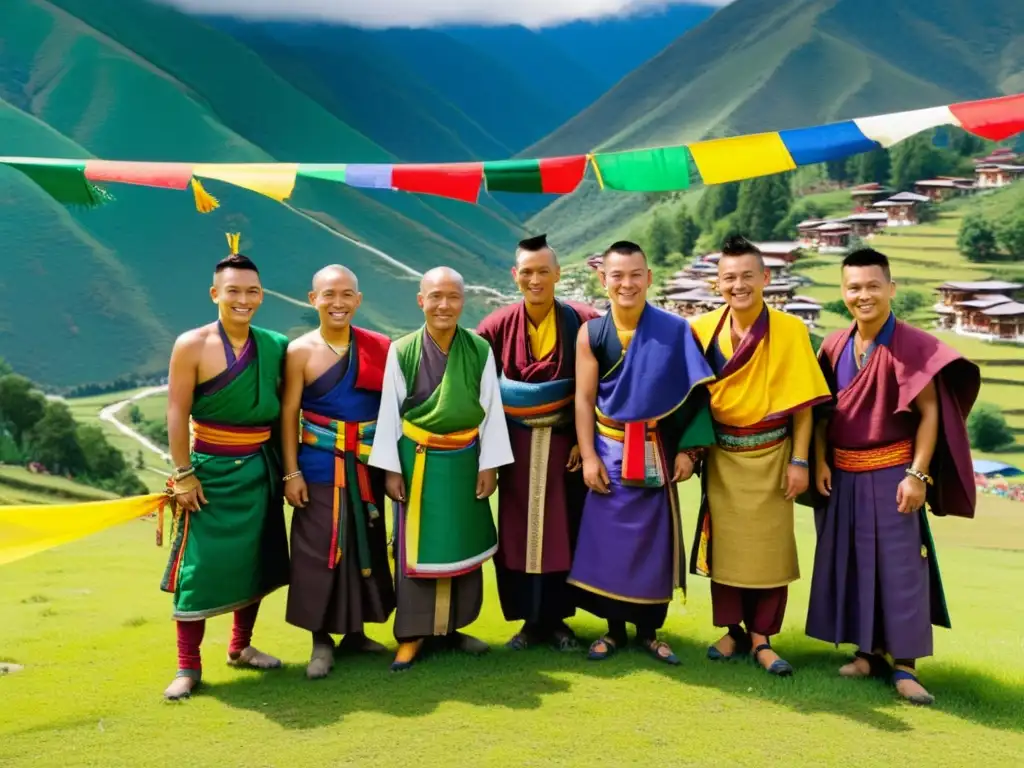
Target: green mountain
761, 65
99, 294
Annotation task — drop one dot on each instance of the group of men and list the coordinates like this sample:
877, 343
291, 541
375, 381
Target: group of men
584, 423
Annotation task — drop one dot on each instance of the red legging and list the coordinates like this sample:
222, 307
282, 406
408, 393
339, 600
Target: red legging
190, 637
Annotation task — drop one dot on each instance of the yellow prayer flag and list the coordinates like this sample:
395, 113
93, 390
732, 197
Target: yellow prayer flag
275, 180
28, 530
741, 157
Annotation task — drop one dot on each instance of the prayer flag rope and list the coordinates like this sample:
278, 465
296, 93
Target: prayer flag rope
659, 169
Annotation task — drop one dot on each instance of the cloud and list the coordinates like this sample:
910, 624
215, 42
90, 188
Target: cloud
426, 13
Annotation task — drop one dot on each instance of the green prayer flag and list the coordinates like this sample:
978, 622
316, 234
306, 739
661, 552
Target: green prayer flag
326, 172
513, 176
65, 182
645, 170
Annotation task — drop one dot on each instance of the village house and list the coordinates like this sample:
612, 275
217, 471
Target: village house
866, 223
866, 195
992, 175
808, 311
807, 232
902, 209
834, 237
944, 187
988, 308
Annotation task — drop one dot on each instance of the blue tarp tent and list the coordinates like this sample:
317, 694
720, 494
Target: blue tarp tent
993, 468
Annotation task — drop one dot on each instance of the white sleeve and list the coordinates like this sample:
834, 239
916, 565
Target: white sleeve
495, 448
384, 453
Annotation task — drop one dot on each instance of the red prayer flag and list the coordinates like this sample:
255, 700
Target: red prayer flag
561, 175
993, 119
460, 181
167, 175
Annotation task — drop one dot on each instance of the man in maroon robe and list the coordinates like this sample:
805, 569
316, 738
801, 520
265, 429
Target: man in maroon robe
894, 438
540, 496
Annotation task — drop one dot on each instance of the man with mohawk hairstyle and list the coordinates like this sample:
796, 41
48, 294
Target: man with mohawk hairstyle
229, 548
341, 578
540, 496
441, 437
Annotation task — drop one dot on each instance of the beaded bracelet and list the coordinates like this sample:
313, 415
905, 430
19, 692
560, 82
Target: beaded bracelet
292, 475
803, 463
926, 479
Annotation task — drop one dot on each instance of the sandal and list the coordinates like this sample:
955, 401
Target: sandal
564, 640
742, 648
922, 699
779, 667
655, 648
610, 647
519, 642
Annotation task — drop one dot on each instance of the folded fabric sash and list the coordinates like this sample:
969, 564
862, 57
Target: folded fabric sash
350, 442
643, 456
226, 439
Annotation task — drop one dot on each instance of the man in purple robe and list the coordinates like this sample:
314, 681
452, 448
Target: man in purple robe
641, 372
894, 438
540, 496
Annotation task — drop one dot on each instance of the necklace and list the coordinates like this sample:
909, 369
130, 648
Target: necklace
341, 350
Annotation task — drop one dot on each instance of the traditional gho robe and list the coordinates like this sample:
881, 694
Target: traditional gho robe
745, 521
539, 500
440, 424
341, 578
876, 580
651, 403
234, 550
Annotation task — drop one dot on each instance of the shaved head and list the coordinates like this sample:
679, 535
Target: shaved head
440, 275
332, 272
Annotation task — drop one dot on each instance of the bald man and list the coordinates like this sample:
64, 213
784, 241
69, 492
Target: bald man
341, 578
441, 436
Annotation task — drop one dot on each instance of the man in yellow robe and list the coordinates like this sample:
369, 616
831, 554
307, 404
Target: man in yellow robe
768, 379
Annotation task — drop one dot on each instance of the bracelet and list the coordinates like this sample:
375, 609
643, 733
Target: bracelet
182, 472
694, 454
803, 463
924, 478
292, 475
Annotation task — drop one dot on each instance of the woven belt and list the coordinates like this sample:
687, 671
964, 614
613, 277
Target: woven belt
870, 459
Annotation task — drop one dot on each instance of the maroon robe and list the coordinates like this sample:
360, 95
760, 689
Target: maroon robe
522, 595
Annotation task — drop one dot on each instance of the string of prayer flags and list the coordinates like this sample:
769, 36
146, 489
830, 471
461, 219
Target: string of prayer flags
658, 169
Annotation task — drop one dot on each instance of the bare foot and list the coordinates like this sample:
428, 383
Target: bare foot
859, 667
321, 662
180, 688
250, 657
726, 645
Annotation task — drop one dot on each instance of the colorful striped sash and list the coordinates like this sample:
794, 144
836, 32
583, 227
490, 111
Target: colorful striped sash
870, 459
426, 442
764, 434
643, 457
226, 439
350, 442
547, 404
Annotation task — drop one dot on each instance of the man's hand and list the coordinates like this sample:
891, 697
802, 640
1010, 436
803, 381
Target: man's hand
595, 475
188, 493
486, 482
296, 493
394, 486
824, 478
575, 462
910, 495
797, 480
683, 468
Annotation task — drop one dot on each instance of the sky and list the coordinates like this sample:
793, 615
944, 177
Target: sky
425, 13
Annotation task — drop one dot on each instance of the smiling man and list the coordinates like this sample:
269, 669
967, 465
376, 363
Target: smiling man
768, 380
229, 548
540, 496
441, 436
341, 578
894, 438
641, 415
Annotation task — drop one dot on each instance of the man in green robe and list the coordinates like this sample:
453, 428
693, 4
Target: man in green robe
441, 435
229, 547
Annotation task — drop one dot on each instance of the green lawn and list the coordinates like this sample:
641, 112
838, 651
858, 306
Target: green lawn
94, 634
19, 486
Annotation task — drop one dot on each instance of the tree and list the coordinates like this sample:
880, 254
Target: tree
1010, 233
977, 238
135, 414
987, 428
687, 232
838, 170
102, 460
907, 302
659, 239
53, 440
21, 406
805, 209
915, 159
871, 167
717, 202
5, 368
140, 461
764, 202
